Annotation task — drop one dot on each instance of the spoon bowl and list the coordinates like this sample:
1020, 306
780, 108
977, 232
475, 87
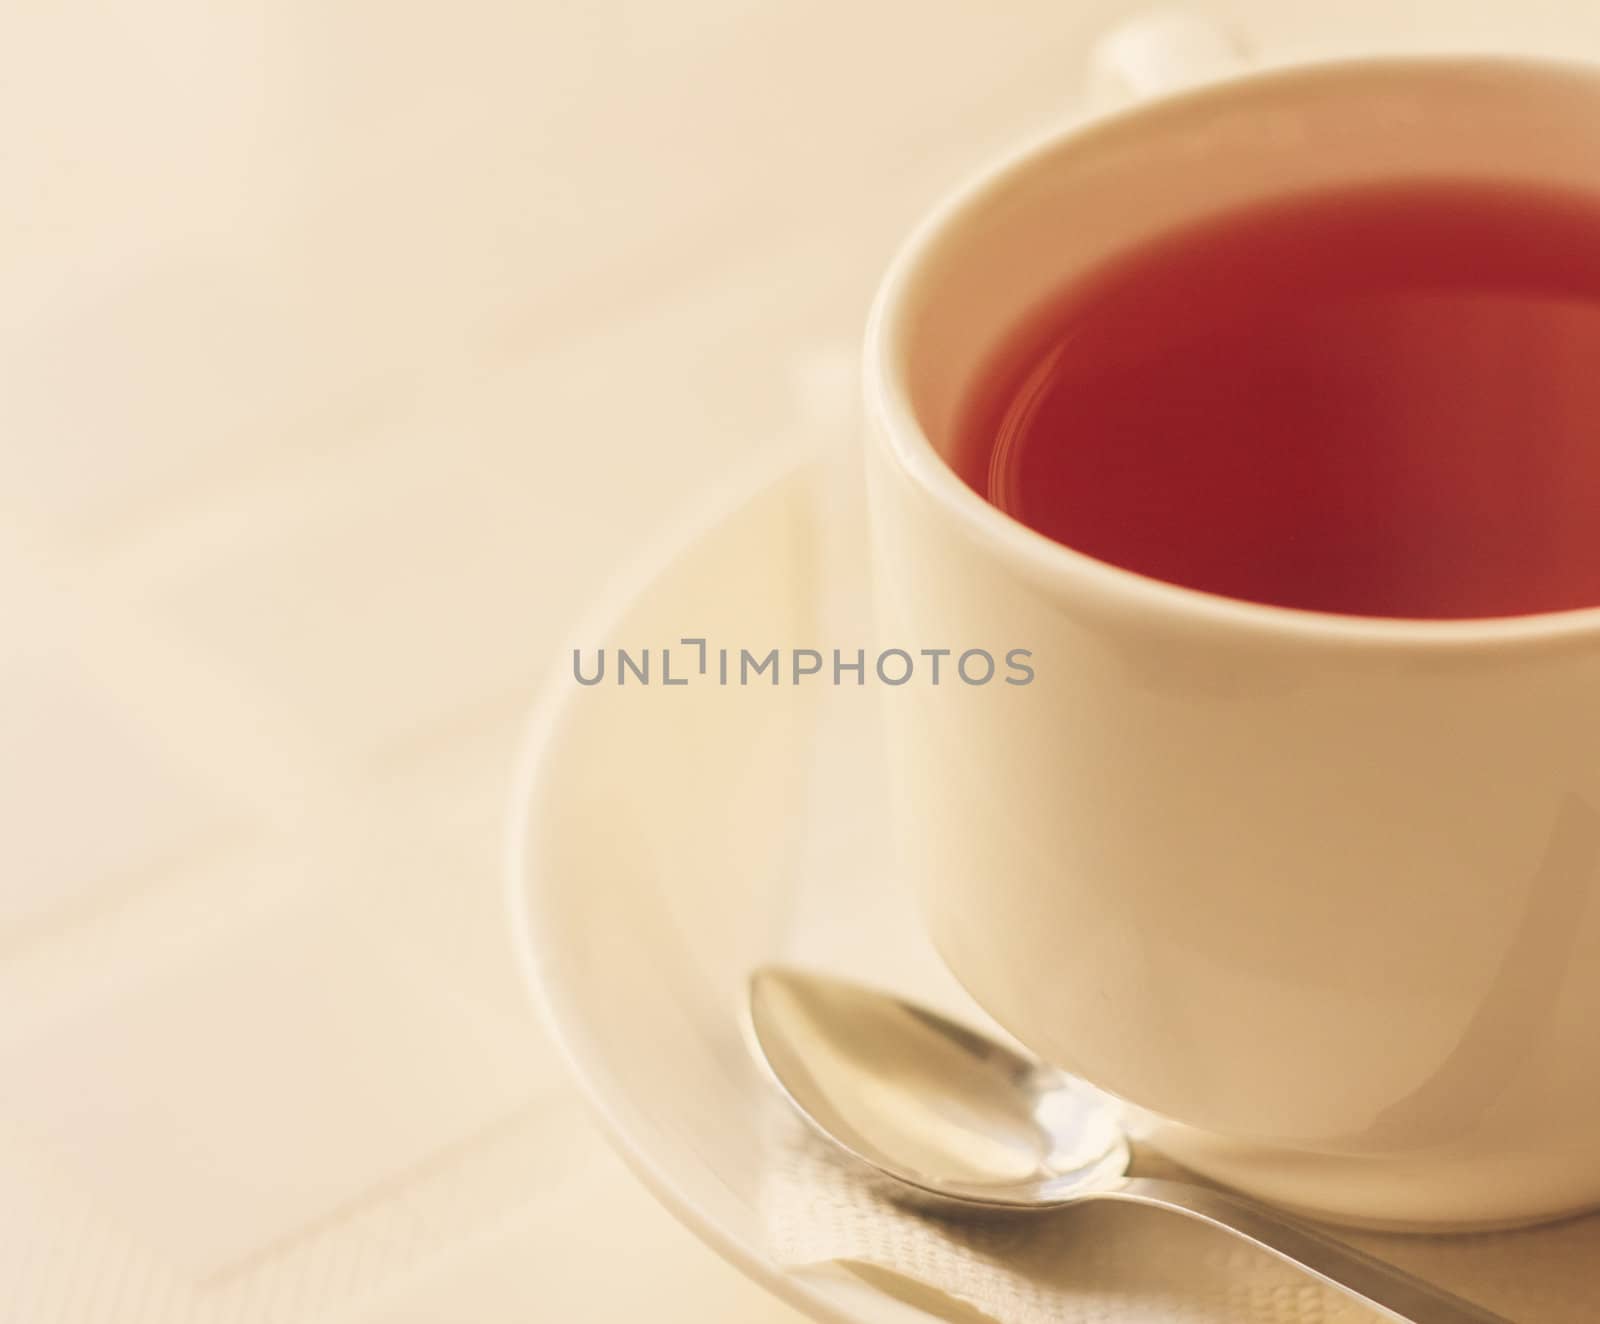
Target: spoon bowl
950, 1115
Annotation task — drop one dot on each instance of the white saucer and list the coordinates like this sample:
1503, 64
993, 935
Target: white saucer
666, 839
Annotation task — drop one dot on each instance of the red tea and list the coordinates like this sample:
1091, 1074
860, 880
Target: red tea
1381, 401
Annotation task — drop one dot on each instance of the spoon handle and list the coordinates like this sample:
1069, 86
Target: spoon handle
1395, 1294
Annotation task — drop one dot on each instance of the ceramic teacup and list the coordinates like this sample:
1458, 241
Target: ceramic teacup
1318, 895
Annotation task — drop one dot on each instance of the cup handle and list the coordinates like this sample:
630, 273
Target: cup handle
1161, 51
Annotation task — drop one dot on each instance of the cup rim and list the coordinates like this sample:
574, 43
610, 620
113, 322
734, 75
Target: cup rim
1114, 587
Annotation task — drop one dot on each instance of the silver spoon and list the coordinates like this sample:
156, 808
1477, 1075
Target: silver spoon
956, 1120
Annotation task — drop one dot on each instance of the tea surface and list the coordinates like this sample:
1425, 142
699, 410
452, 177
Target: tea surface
1383, 401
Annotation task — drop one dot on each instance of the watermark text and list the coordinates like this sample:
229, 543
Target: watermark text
694, 661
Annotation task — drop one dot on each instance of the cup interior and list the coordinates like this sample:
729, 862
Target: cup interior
1028, 230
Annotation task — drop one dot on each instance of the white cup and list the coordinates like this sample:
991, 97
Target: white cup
1318, 894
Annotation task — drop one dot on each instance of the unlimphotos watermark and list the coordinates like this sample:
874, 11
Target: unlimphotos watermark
695, 661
